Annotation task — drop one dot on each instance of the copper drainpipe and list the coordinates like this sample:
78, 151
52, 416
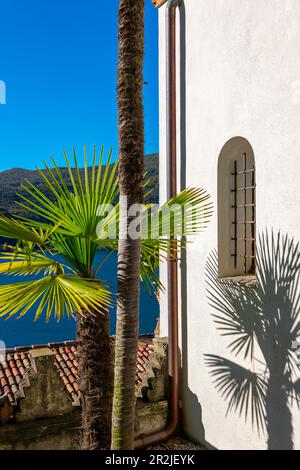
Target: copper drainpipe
173, 349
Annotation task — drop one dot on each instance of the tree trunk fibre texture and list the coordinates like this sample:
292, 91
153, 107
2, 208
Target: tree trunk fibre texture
95, 370
131, 170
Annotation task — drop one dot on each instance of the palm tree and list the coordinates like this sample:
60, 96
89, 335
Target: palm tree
131, 169
154, 238
76, 215
262, 322
59, 241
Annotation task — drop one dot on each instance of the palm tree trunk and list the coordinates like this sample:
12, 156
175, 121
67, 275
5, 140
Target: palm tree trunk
131, 170
95, 370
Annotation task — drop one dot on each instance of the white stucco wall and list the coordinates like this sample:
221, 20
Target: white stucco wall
242, 79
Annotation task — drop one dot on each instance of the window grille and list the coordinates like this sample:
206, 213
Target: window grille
243, 214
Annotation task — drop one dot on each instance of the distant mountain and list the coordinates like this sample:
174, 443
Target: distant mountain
11, 180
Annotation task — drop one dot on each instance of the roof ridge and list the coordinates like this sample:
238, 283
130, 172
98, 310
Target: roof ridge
72, 342
40, 346
14, 369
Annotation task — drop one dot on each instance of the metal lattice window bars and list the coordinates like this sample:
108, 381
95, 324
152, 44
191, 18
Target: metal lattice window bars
244, 221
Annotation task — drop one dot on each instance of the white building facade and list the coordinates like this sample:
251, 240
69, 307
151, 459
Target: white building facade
238, 94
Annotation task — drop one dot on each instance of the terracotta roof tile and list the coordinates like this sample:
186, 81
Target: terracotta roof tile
17, 365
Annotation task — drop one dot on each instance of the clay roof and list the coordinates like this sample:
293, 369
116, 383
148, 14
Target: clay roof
14, 371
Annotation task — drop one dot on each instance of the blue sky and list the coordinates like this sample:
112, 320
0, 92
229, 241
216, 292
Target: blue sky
58, 59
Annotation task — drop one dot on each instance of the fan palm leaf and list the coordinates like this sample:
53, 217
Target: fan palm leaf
21, 263
16, 230
75, 206
78, 252
185, 214
53, 295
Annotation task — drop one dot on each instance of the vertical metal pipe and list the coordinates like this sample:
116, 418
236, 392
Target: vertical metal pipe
172, 262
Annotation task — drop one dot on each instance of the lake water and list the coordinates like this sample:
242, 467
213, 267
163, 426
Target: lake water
24, 331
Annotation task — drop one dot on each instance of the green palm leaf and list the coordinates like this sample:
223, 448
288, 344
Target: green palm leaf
75, 206
185, 214
54, 295
20, 263
10, 228
78, 252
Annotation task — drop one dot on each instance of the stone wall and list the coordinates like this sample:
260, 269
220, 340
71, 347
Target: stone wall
47, 419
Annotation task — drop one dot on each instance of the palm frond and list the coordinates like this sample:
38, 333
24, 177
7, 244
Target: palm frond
76, 205
21, 263
54, 295
78, 252
185, 214
16, 230
108, 225
151, 255
153, 251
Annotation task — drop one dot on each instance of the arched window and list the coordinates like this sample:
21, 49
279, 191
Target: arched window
236, 209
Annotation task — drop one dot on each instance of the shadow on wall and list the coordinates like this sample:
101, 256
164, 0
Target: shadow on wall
191, 417
261, 321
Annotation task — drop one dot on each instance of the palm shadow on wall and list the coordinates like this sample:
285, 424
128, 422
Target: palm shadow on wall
262, 326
